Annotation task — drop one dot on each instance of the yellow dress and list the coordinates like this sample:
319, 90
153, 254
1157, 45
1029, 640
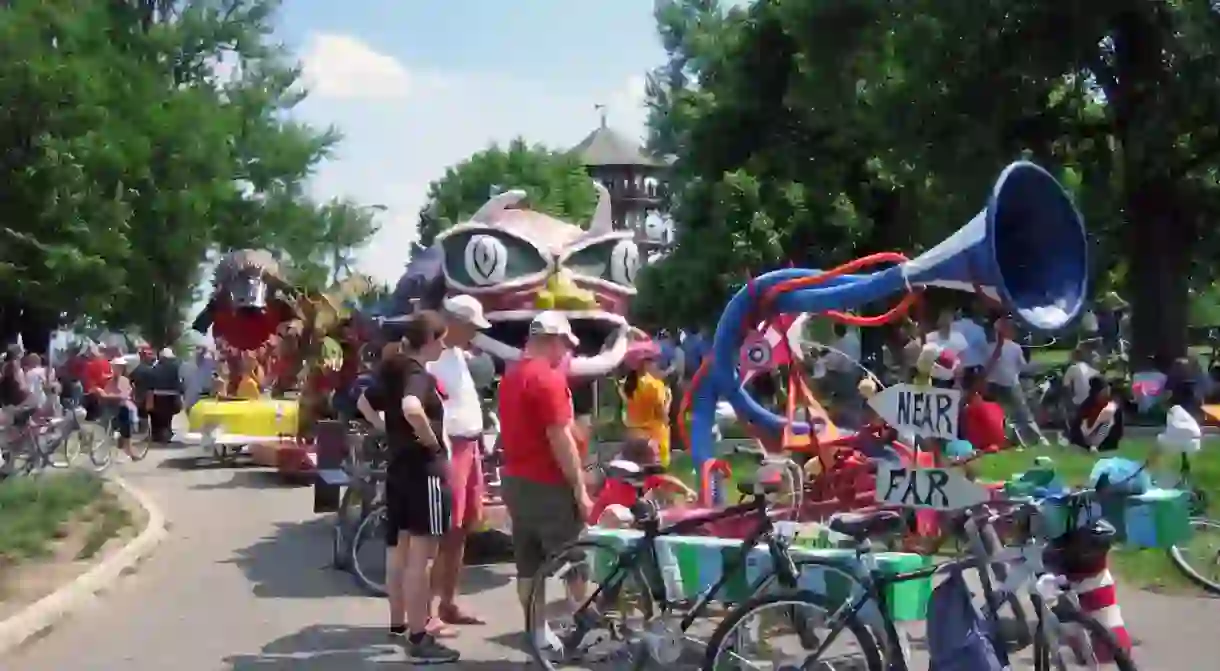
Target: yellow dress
248, 388
648, 413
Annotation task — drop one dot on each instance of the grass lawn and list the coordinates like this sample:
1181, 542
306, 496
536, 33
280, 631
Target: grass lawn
1049, 356
35, 512
1150, 568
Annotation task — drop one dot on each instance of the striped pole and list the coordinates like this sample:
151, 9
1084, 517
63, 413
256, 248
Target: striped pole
1098, 596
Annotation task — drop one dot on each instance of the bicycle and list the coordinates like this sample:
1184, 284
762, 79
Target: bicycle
1204, 535
99, 438
37, 440
364, 491
747, 628
637, 577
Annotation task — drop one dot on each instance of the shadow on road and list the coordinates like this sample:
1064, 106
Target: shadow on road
194, 462
287, 563
250, 478
484, 578
341, 648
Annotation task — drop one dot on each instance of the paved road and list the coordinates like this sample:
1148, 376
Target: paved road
241, 584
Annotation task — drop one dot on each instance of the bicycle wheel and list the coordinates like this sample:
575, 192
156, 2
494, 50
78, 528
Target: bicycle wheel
98, 444
1077, 643
1198, 558
781, 632
615, 630
347, 521
140, 443
367, 558
68, 442
23, 456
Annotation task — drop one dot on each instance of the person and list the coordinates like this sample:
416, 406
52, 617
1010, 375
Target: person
1004, 380
978, 349
418, 496
141, 381
38, 381
464, 427
96, 374
1109, 321
647, 399
1181, 438
946, 337
842, 364
15, 391
542, 479
1077, 376
1098, 425
982, 422
165, 386
117, 397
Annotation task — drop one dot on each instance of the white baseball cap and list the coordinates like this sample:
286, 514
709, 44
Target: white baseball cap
553, 323
467, 308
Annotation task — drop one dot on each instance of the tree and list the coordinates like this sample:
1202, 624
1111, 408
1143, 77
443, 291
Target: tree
843, 104
555, 183
324, 253
127, 159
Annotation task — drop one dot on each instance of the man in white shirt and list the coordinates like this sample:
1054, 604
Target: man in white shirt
464, 426
946, 337
1004, 383
1076, 378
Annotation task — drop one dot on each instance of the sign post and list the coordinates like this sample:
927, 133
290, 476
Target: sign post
927, 412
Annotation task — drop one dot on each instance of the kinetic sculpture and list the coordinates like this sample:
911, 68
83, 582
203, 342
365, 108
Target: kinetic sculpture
250, 300
1027, 247
519, 262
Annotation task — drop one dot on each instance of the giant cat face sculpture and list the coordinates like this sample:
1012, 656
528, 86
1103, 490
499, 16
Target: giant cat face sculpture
518, 263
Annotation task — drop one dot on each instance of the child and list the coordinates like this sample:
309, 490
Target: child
611, 509
1098, 425
1180, 439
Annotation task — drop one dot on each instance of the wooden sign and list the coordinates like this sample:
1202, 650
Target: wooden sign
927, 412
930, 488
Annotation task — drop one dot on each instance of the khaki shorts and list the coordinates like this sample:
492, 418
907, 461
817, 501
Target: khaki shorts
544, 519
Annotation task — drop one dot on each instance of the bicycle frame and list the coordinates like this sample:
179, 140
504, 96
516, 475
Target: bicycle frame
645, 550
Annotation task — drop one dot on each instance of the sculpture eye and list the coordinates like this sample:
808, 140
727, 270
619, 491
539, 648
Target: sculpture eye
477, 258
486, 260
615, 261
624, 262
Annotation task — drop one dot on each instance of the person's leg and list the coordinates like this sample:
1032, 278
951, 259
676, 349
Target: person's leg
123, 424
1023, 418
430, 518
466, 484
562, 525
527, 548
395, 560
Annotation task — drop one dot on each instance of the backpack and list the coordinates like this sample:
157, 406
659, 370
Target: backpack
959, 638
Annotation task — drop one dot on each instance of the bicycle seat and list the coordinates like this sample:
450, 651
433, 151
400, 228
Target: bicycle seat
627, 471
860, 526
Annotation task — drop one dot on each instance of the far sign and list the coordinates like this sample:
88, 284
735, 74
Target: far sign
927, 412
932, 488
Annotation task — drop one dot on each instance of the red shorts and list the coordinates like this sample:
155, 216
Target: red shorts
466, 481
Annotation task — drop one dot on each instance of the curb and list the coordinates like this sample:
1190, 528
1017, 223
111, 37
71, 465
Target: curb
41, 615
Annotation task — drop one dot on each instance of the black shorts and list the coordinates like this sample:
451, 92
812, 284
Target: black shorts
421, 505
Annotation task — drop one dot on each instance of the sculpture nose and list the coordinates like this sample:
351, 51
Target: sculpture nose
562, 293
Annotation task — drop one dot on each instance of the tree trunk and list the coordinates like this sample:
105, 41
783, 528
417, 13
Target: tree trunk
1159, 239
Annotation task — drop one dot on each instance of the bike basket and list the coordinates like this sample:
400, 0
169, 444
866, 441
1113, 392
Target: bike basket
959, 638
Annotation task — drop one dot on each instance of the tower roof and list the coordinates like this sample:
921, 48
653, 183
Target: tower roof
605, 146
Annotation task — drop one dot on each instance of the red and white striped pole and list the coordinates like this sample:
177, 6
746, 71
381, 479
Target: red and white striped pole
1098, 596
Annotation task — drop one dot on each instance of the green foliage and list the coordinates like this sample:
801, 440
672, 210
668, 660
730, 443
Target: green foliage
555, 183
128, 158
814, 132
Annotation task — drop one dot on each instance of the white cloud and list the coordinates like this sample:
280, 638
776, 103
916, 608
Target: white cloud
392, 150
341, 66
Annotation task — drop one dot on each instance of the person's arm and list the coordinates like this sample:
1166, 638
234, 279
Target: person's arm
550, 396
1103, 418
369, 413
418, 387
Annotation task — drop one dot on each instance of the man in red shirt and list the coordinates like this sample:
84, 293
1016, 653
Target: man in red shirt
96, 374
544, 489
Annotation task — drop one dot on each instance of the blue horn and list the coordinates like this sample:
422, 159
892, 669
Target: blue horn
1028, 246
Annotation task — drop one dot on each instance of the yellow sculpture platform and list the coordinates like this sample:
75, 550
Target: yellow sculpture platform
263, 418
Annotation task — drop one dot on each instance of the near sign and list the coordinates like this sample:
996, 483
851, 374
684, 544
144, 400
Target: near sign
927, 412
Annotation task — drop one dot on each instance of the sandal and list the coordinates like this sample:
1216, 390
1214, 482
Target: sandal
455, 615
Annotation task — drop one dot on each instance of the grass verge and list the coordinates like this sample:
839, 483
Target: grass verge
36, 513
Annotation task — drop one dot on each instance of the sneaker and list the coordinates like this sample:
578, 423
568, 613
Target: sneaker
427, 650
397, 631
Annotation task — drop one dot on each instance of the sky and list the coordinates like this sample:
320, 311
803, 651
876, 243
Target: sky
418, 85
